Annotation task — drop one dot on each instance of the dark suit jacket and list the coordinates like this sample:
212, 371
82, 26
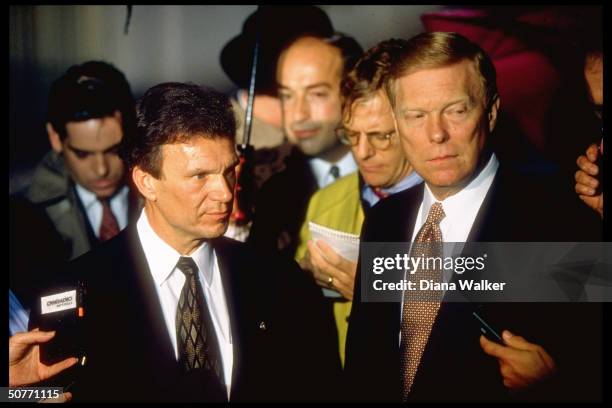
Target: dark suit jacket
281, 206
278, 352
453, 366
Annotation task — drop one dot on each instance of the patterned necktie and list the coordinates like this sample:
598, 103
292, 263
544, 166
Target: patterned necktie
334, 171
195, 333
420, 308
109, 226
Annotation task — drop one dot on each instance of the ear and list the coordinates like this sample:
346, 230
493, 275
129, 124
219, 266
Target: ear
145, 183
54, 139
492, 116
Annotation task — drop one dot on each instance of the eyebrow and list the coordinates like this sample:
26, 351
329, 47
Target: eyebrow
374, 132
76, 149
467, 100
199, 170
309, 87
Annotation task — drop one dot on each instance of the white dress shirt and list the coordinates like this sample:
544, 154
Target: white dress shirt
321, 169
93, 207
460, 211
460, 208
169, 282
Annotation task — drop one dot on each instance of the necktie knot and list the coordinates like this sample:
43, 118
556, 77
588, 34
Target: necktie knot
334, 171
187, 265
380, 193
436, 214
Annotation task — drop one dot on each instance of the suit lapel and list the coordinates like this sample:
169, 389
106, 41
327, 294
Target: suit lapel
151, 326
229, 278
485, 219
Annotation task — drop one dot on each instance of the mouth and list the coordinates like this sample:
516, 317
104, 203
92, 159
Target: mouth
103, 184
370, 169
442, 158
306, 133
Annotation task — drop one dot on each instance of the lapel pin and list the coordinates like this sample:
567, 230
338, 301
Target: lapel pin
262, 325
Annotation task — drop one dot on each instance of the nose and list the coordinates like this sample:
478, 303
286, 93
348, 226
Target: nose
437, 129
363, 150
223, 190
101, 165
301, 109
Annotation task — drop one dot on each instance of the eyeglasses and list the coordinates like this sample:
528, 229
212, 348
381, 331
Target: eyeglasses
380, 141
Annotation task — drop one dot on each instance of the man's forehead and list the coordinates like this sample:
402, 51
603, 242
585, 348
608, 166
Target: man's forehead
94, 134
200, 149
373, 109
456, 79
312, 57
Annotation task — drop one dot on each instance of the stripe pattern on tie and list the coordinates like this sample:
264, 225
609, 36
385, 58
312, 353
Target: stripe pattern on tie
109, 227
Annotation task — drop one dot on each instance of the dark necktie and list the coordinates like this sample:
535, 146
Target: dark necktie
379, 193
334, 171
109, 226
421, 308
195, 333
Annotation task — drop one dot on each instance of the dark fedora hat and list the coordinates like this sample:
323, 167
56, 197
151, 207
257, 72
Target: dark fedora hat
276, 26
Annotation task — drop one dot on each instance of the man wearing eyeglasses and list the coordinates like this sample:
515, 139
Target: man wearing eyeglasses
368, 129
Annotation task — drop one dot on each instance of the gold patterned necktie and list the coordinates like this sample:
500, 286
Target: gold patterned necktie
421, 308
195, 333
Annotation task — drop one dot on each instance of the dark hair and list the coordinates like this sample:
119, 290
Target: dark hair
94, 89
369, 73
175, 112
440, 49
349, 49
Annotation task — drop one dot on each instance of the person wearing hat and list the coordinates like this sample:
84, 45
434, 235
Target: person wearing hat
270, 27
308, 73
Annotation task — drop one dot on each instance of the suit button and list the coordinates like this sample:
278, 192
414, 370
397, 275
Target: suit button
262, 325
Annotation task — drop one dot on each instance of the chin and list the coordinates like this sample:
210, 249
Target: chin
216, 231
309, 149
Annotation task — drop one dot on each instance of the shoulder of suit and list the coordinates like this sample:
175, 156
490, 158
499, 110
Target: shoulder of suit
296, 175
108, 259
401, 200
50, 183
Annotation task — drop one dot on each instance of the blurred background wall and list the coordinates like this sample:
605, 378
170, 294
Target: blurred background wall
163, 43
533, 48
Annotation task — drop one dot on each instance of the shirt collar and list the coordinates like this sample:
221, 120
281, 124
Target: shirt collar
88, 199
321, 167
411, 180
162, 258
466, 202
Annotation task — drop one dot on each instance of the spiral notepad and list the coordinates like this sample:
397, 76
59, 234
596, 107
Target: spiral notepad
345, 244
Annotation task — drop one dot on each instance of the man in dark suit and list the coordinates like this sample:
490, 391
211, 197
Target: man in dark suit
445, 103
174, 311
78, 196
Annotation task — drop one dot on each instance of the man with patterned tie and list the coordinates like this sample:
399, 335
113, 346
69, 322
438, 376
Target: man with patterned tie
445, 103
175, 311
369, 131
80, 184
